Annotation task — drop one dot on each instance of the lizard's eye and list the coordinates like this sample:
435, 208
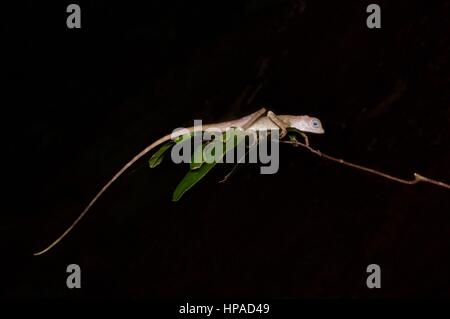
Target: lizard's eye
315, 123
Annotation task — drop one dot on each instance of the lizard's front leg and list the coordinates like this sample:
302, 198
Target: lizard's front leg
279, 122
306, 138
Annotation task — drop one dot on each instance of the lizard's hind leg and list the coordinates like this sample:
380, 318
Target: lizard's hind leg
254, 117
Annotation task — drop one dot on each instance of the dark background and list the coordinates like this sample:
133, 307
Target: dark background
86, 101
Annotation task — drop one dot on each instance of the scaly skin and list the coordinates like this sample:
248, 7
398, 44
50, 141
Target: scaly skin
258, 121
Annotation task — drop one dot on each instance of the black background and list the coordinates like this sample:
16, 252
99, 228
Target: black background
85, 101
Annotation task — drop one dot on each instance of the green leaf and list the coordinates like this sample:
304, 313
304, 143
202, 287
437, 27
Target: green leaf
292, 137
195, 175
190, 179
184, 137
198, 153
157, 158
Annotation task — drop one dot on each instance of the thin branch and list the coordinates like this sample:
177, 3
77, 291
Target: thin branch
417, 178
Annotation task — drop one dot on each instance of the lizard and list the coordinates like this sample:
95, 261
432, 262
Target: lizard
259, 120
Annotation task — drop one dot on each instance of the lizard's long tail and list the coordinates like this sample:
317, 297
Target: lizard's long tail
246, 122
100, 193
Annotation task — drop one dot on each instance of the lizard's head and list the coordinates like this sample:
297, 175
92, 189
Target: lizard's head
307, 124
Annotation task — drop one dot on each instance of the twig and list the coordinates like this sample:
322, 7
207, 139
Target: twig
234, 168
417, 178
